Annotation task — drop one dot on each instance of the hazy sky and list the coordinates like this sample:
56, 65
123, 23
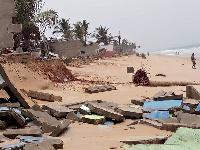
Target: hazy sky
153, 24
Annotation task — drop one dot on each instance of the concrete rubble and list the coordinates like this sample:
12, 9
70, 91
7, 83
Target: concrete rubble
56, 110
43, 119
98, 109
165, 111
44, 96
98, 89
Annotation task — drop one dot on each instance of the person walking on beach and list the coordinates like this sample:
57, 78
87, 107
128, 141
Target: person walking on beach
193, 61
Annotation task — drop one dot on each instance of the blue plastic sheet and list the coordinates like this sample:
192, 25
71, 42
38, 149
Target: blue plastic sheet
161, 105
157, 115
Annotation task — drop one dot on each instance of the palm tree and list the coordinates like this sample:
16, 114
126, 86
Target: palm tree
102, 36
85, 27
81, 31
65, 28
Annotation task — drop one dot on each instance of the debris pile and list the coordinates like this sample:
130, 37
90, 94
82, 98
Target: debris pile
55, 70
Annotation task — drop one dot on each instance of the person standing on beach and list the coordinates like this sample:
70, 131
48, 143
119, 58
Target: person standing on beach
193, 61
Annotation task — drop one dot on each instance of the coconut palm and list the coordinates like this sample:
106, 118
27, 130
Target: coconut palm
81, 31
102, 36
65, 28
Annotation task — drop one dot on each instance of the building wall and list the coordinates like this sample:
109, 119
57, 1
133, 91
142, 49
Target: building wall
7, 11
70, 49
90, 49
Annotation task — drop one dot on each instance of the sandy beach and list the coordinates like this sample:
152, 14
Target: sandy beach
114, 70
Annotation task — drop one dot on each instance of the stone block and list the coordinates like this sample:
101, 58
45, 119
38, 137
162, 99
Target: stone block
13, 133
4, 112
60, 128
56, 143
43, 119
105, 112
94, 119
130, 112
56, 110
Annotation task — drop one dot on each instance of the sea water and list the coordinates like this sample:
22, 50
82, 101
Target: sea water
182, 52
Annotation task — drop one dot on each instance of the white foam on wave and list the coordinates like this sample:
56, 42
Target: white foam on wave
180, 52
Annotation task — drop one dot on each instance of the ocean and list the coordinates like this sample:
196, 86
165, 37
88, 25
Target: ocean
182, 52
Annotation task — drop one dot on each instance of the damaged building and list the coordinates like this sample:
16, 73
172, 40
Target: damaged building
7, 26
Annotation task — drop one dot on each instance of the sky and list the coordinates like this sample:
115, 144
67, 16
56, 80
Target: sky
152, 24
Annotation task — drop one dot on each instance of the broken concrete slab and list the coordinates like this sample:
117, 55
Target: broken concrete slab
157, 115
10, 105
189, 119
3, 125
5, 84
98, 109
192, 93
169, 97
190, 105
91, 90
145, 140
4, 112
161, 105
130, 112
3, 139
60, 128
32, 131
76, 103
97, 89
15, 96
138, 102
44, 145
43, 119
94, 119
56, 143
110, 87
152, 123
108, 105
84, 110
43, 96
73, 116
16, 115
56, 110
16, 146
160, 93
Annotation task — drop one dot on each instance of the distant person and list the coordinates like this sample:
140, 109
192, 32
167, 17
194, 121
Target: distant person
193, 61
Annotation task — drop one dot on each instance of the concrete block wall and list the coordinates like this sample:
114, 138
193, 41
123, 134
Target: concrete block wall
70, 49
90, 49
67, 49
7, 12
